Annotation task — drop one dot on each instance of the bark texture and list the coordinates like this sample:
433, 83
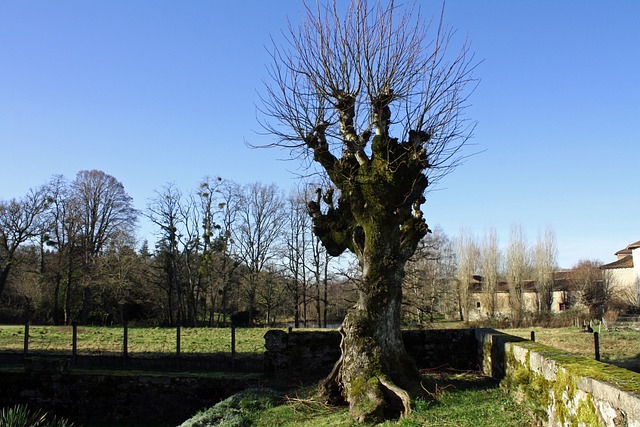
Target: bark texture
377, 219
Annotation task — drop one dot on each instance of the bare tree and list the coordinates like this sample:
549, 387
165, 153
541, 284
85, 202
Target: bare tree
468, 255
490, 269
340, 87
545, 266
261, 218
271, 293
212, 208
226, 265
20, 221
105, 212
518, 270
320, 272
63, 231
163, 210
593, 285
430, 276
296, 251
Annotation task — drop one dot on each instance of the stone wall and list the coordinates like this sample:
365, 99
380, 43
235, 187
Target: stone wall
86, 396
569, 390
307, 354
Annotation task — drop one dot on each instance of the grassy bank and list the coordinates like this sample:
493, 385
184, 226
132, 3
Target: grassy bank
617, 347
456, 399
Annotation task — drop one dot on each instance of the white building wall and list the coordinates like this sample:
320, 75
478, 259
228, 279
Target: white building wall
625, 283
636, 267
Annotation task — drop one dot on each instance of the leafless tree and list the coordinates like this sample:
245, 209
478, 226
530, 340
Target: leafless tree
20, 222
320, 271
545, 266
431, 276
105, 213
271, 293
468, 256
261, 219
490, 271
341, 84
63, 236
297, 241
593, 285
213, 207
163, 210
518, 270
106, 210
226, 264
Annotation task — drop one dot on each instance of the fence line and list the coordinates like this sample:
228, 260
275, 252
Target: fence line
125, 341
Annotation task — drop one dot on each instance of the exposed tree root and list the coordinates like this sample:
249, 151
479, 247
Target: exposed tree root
331, 390
400, 393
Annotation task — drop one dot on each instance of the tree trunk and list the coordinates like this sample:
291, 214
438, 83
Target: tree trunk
375, 375
4, 277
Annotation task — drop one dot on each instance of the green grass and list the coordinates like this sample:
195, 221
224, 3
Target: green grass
462, 400
142, 341
617, 347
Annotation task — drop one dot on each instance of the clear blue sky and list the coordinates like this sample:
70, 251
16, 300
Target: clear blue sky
154, 91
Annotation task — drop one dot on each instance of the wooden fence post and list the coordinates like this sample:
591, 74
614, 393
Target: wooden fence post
74, 341
233, 347
596, 342
26, 339
125, 343
533, 336
178, 341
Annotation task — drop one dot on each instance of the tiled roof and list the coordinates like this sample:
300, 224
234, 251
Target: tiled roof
627, 250
634, 245
561, 283
626, 262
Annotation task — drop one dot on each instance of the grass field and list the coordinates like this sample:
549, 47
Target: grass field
617, 347
142, 341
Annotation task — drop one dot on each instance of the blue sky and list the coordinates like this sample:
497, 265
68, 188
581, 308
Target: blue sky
154, 91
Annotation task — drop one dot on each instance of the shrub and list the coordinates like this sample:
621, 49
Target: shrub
22, 416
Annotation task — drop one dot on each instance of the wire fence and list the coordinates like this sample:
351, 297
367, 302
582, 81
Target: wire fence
224, 348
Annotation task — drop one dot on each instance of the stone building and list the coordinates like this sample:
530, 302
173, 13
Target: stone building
564, 296
624, 274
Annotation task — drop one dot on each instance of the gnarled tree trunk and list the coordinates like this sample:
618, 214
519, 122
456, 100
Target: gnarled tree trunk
375, 375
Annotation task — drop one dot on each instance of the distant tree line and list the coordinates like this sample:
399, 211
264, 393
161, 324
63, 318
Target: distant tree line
226, 252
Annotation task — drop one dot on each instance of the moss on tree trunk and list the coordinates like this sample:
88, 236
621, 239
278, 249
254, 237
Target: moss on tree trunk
375, 375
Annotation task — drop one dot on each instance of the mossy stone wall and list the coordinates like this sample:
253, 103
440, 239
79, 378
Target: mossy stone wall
561, 389
89, 397
312, 354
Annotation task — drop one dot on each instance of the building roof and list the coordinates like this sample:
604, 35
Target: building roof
561, 282
634, 245
627, 250
624, 262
